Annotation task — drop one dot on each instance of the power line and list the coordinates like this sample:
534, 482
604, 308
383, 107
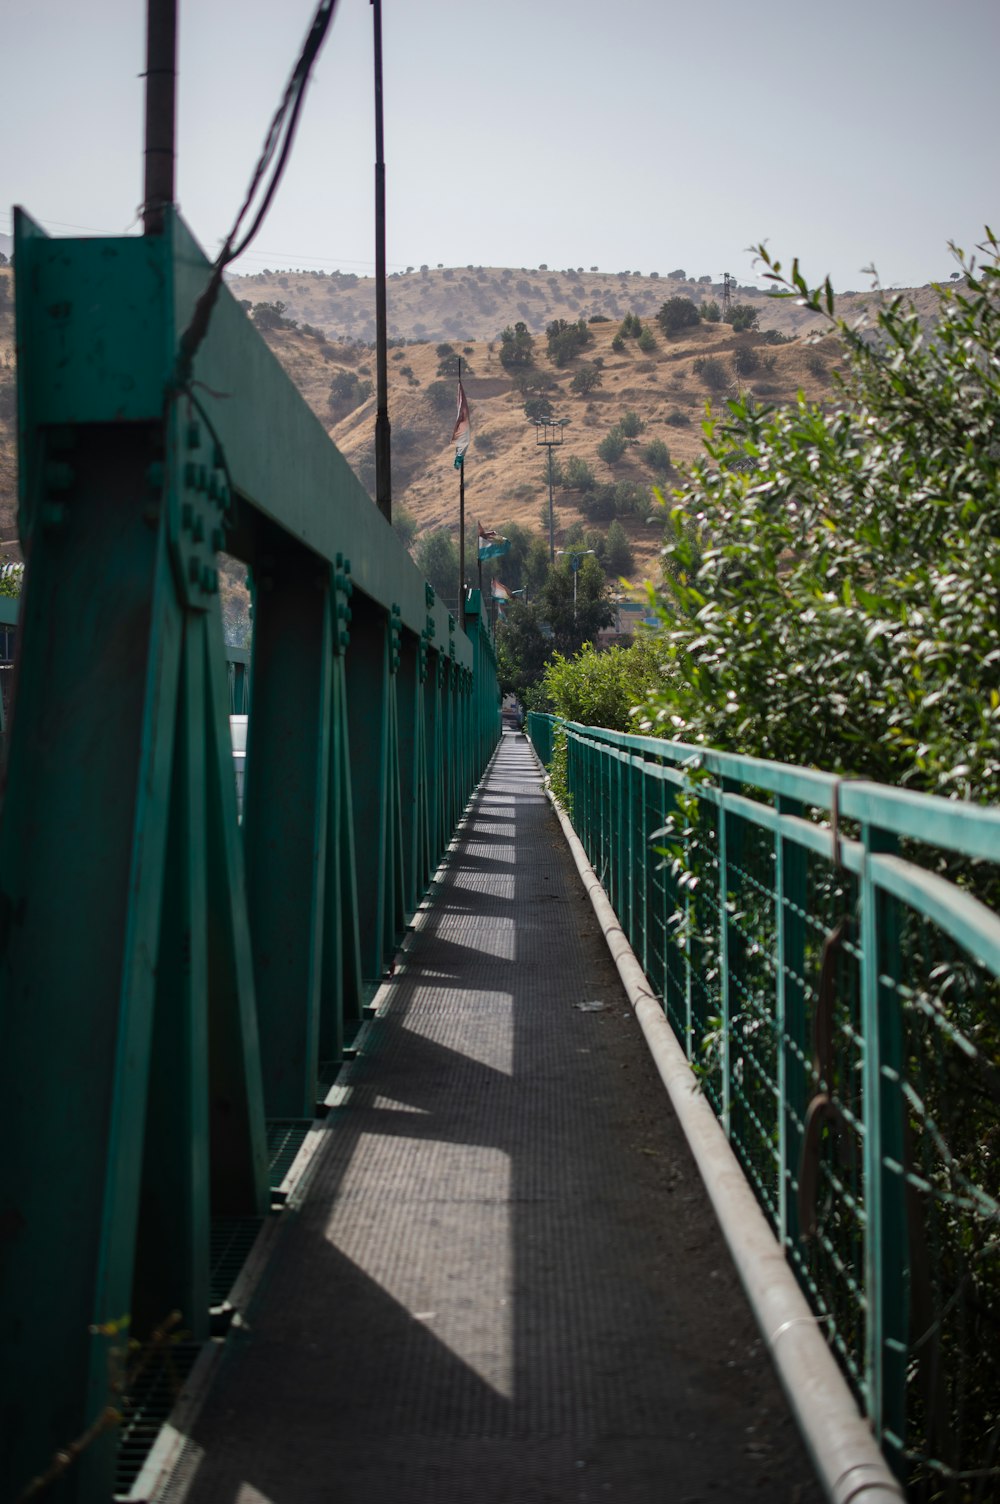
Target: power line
277, 149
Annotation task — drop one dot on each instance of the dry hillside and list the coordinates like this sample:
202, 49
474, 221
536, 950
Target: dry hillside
666, 387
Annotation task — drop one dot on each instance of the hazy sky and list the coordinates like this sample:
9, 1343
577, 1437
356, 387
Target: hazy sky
627, 134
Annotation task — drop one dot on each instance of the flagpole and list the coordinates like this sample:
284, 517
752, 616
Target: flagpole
383, 466
461, 528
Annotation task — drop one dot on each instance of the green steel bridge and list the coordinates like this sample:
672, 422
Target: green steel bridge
180, 989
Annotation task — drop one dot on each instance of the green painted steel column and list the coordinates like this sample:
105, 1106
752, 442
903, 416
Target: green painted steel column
82, 846
285, 816
172, 1255
369, 732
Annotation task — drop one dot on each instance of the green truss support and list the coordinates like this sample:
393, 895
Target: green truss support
168, 978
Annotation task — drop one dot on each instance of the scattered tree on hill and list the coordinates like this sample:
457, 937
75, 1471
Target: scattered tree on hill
742, 316
537, 408
647, 340
657, 456
712, 372
746, 360
442, 395
630, 326
631, 424
517, 347
677, 314
598, 503
348, 391
586, 379
618, 559
577, 474
711, 313
271, 316
613, 445
565, 341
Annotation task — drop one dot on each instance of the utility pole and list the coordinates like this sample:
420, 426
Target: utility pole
161, 112
549, 433
383, 463
461, 526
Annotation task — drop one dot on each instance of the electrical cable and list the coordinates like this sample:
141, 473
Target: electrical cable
280, 135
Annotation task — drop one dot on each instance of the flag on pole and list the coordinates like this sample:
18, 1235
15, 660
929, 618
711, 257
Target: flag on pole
462, 432
491, 544
499, 591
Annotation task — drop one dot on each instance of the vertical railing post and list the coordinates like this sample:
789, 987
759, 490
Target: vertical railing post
725, 963
790, 1017
887, 1254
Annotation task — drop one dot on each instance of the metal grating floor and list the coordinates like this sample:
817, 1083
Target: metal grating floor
148, 1405
232, 1238
505, 1282
231, 1242
285, 1137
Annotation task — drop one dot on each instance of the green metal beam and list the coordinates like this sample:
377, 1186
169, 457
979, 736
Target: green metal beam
154, 993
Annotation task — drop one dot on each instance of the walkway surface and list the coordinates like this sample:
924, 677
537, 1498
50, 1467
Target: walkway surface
505, 1284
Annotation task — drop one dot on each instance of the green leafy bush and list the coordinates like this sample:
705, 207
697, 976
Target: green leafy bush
600, 688
647, 341
836, 604
631, 424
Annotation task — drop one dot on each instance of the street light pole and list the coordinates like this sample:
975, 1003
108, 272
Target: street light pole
575, 555
549, 432
383, 463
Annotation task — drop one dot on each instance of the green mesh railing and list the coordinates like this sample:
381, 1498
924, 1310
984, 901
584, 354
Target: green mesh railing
828, 954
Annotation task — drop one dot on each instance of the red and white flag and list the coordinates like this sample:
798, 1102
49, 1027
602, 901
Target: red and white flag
463, 428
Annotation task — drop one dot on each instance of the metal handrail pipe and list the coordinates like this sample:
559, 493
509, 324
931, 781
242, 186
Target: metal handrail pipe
849, 1464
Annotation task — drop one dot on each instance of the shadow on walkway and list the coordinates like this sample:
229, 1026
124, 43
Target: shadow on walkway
505, 1285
